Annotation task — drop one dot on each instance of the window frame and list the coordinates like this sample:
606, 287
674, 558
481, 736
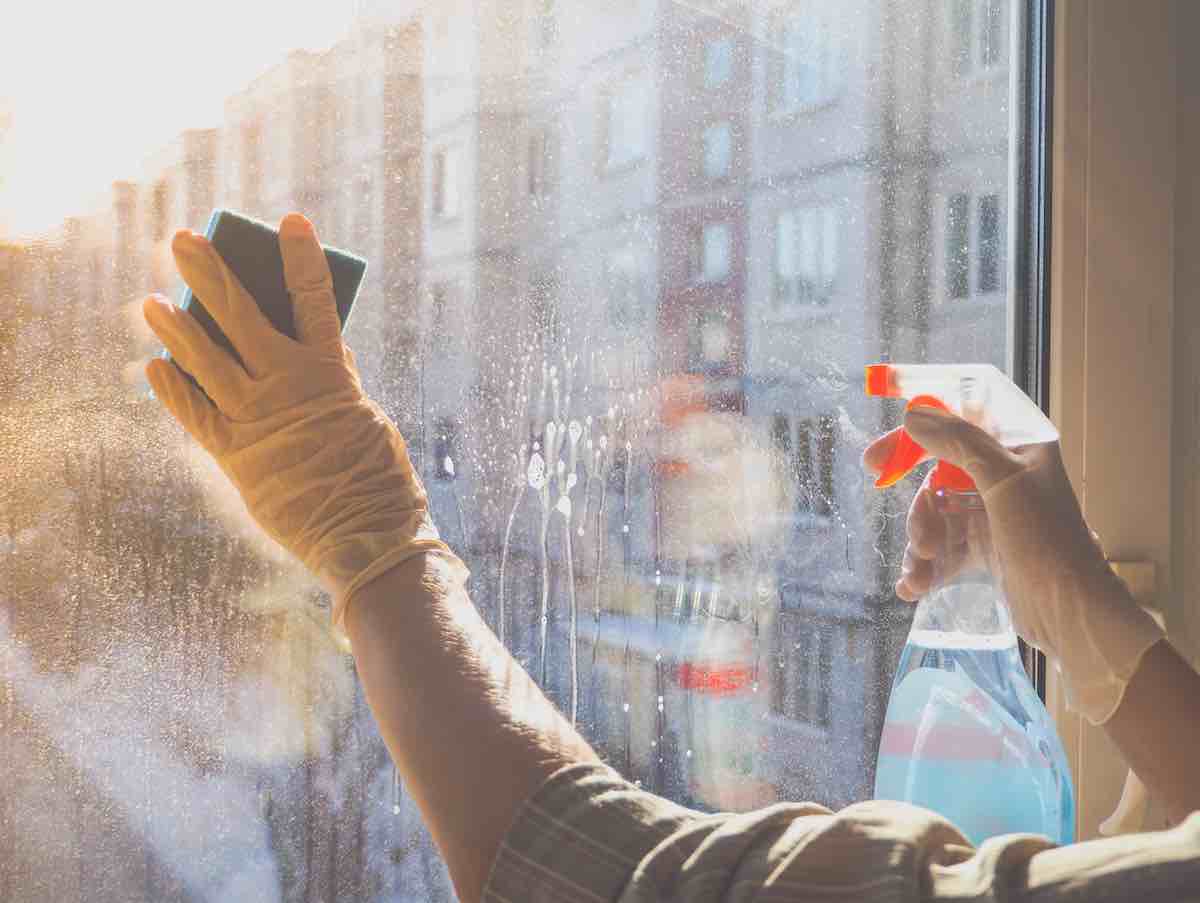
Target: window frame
777, 70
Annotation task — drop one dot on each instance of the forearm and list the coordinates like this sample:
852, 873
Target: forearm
1157, 728
471, 733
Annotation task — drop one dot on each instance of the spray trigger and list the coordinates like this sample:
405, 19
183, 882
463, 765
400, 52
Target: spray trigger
908, 454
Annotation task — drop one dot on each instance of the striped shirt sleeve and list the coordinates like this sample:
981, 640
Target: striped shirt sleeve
589, 836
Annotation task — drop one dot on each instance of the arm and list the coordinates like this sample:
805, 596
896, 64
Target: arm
1157, 729
471, 733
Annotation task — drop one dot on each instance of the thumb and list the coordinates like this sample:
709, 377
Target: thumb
962, 444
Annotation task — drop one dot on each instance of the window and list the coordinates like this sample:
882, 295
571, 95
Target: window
806, 256
625, 121
718, 150
816, 448
446, 187
718, 62
682, 235
801, 688
804, 66
977, 30
623, 283
973, 249
712, 252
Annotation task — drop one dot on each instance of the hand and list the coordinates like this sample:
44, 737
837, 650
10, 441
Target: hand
320, 468
1064, 597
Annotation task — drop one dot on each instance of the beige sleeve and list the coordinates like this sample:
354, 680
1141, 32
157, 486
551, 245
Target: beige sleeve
588, 835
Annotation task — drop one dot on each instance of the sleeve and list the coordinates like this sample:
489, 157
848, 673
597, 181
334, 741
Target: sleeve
588, 835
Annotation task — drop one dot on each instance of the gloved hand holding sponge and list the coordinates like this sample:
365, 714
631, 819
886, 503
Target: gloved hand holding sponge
319, 466
1065, 598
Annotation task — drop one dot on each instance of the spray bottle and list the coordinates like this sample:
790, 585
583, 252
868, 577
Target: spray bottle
965, 733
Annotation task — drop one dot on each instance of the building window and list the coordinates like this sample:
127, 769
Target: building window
977, 35
718, 150
160, 213
713, 341
537, 171
989, 244
712, 252
804, 68
807, 252
625, 121
623, 287
446, 196
974, 245
815, 449
718, 62
801, 689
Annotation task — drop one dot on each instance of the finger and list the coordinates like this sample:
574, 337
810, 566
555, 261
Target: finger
186, 341
963, 444
926, 525
306, 272
197, 414
916, 577
224, 296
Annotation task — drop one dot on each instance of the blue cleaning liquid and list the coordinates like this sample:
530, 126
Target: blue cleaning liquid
966, 736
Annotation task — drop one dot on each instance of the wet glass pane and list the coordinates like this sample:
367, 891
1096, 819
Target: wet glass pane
627, 261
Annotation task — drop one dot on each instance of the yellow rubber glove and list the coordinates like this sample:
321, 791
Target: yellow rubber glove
319, 466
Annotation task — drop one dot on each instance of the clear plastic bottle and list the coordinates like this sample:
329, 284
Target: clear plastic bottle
965, 733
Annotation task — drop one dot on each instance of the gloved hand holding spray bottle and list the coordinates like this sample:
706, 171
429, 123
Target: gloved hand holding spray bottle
965, 733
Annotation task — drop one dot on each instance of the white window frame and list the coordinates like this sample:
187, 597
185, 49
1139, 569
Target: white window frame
793, 27
1121, 366
821, 255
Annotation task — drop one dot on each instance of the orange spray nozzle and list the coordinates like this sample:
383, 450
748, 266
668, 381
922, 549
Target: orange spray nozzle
908, 454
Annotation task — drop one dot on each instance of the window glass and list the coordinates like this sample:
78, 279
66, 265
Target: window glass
718, 150
718, 62
716, 250
692, 313
626, 122
807, 69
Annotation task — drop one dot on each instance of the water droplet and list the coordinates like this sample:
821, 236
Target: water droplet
654, 744
688, 753
537, 471
572, 479
658, 657
754, 688
625, 707
581, 530
564, 505
628, 447
551, 428
562, 466
395, 809
575, 431
448, 466
604, 443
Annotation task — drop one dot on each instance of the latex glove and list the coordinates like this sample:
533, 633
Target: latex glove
1064, 597
319, 466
